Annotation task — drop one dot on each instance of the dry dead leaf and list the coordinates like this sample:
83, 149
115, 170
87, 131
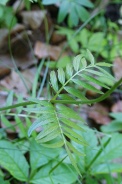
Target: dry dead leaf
117, 107
14, 82
43, 50
99, 114
21, 51
117, 68
33, 19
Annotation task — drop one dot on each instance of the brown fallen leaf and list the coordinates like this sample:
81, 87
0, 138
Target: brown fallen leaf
22, 54
99, 114
117, 107
14, 82
33, 19
43, 50
4, 71
117, 68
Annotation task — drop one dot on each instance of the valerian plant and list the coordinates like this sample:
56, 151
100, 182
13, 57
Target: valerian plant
60, 124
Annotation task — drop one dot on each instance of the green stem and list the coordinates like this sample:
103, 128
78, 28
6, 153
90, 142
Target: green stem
99, 99
98, 153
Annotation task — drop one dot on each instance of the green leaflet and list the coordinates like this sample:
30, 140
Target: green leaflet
91, 57
65, 97
77, 62
67, 112
75, 135
92, 79
53, 80
44, 119
54, 145
50, 137
61, 75
75, 92
73, 161
47, 130
72, 148
87, 86
69, 70
104, 64
71, 124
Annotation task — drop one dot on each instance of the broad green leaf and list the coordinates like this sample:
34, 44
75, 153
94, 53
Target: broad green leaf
75, 92
92, 79
65, 174
40, 155
77, 61
63, 11
116, 115
67, 112
69, 70
7, 123
91, 57
2, 181
82, 13
113, 126
53, 80
13, 160
61, 75
43, 120
3, 2
86, 3
106, 168
104, 64
87, 86
48, 2
71, 124
73, 16
47, 130
54, 145
50, 136
72, 148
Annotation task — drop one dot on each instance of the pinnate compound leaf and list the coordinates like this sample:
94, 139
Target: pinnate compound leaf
87, 86
12, 159
53, 80
61, 75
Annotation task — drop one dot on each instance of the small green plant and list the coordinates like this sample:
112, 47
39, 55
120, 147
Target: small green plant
74, 8
7, 17
58, 121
